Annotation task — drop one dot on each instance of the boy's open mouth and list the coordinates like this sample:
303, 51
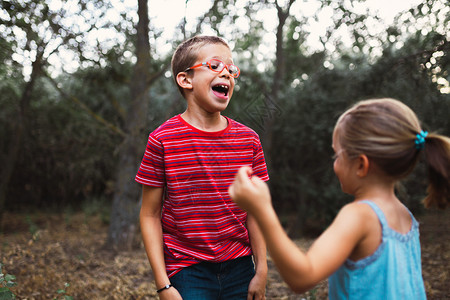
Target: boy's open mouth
221, 89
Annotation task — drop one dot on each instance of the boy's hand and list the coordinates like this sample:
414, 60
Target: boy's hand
170, 294
257, 288
251, 194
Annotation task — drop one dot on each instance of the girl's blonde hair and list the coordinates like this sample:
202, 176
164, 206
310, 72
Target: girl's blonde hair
385, 130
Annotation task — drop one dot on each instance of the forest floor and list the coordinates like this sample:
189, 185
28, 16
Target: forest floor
45, 251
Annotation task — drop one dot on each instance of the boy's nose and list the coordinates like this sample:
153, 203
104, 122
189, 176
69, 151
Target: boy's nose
225, 73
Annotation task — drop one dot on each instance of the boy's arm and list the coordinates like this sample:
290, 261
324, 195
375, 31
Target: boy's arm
151, 229
257, 287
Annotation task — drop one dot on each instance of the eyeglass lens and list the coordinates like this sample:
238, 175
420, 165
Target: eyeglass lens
218, 66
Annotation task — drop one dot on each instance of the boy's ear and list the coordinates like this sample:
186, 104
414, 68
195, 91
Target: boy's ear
184, 80
363, 165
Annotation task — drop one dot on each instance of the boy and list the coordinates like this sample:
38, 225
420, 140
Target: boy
199, 243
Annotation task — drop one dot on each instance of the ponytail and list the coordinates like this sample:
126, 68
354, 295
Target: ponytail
437, 155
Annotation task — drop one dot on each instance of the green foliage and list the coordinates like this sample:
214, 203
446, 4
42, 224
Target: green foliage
69, 159
67, 155
303, 179
62, 293
6, 282
32, 228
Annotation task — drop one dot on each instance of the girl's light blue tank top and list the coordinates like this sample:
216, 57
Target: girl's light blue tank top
393, 272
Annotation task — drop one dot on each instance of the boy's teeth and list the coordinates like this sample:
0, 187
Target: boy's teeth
221, 88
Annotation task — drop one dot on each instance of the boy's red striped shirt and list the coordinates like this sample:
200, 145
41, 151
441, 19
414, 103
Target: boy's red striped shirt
200, 222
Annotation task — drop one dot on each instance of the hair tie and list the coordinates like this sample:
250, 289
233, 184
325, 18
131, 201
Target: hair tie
420, 139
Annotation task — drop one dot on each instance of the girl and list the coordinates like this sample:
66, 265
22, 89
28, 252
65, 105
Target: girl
372, 249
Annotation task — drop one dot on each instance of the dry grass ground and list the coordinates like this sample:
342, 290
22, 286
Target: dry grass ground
46, 251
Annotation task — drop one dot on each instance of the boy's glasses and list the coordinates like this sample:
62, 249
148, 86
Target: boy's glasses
218, 66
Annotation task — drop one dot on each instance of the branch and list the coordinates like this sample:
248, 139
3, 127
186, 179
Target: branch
81, 104
426, 53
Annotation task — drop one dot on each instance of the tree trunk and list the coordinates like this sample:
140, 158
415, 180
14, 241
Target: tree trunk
19, 129
273, 100
125, 206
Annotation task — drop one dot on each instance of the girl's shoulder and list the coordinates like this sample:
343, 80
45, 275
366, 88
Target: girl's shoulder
366, 226
357, 212
356, 220
361, 218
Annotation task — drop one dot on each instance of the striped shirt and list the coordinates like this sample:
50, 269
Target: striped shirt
200, 222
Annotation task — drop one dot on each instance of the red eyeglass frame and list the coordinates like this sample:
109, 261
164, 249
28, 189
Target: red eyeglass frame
208, 64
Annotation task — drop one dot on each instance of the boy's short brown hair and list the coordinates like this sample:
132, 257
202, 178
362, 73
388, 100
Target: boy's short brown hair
186, 53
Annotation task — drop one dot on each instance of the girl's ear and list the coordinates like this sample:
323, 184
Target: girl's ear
363, 165
184, 80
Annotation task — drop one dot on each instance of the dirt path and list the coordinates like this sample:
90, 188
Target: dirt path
46, 251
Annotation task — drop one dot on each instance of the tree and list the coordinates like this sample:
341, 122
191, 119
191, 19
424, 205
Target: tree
277, 80
125, 207
75, 114
408, 68
10, 71
36, 32
126, 204
17, 18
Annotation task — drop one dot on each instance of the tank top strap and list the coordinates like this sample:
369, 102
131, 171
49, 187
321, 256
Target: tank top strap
380, 214
389, 232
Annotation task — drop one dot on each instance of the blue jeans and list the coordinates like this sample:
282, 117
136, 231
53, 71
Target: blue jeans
210, 281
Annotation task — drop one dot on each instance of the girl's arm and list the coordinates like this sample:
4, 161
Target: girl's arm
150, 219
300, 271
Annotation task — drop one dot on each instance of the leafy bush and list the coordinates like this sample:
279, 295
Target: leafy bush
6, 282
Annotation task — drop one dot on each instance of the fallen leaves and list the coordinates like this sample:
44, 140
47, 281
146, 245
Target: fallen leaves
70, 251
